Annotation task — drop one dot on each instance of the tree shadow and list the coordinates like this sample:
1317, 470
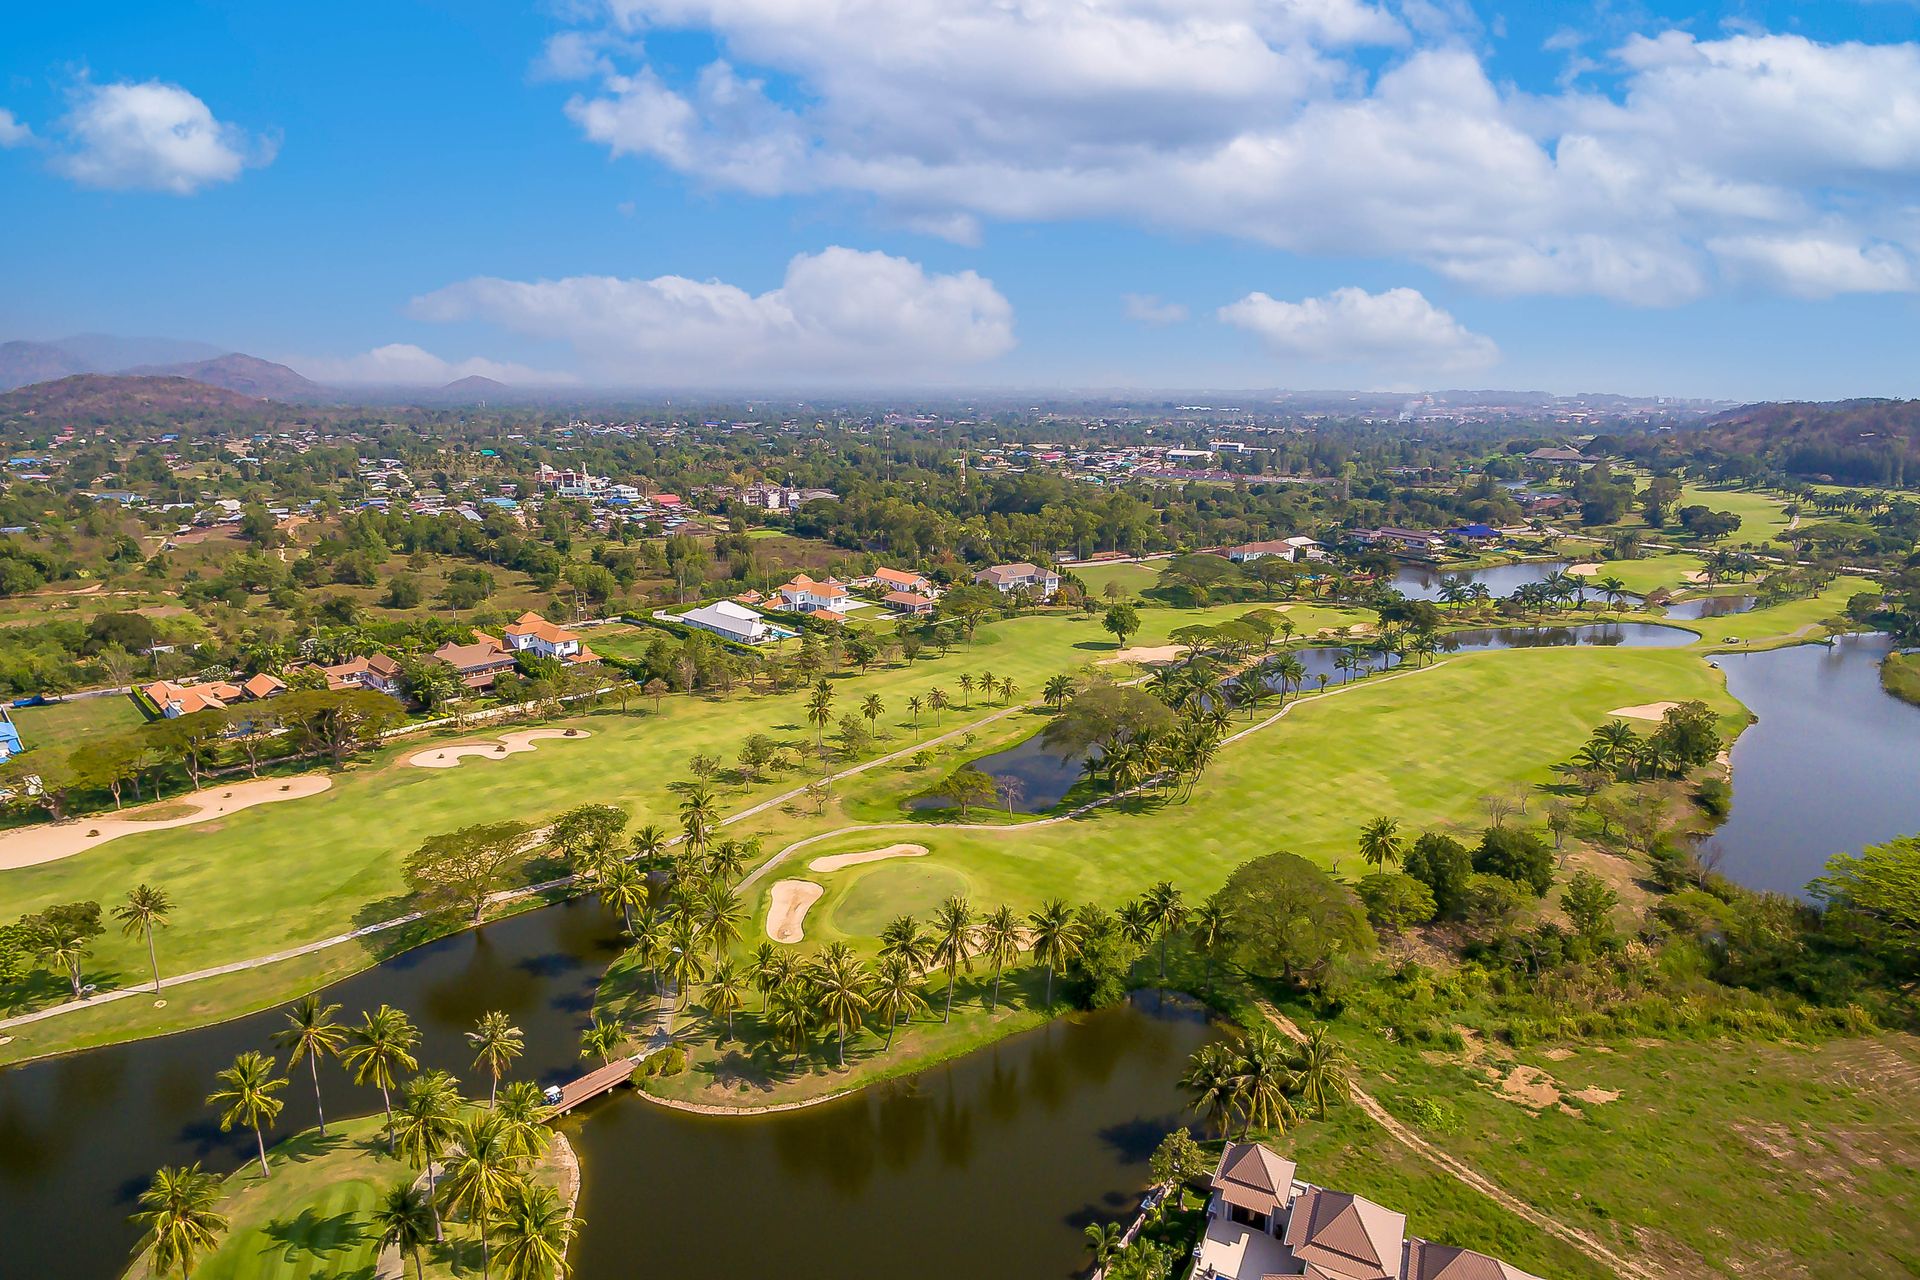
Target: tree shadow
316, 1236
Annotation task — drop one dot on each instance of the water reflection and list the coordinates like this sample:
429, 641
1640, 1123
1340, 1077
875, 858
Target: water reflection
1422, 582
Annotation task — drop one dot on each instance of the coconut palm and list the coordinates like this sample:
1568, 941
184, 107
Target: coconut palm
686, 962
311, 1033
1613, 589
765, 970
407, 1219
145, 910
481, 1168
896, 993
177, 1210
790, 1009
603, 1036
1210, 1080
496, 1043
720, 914
999, 945
699, 815
429, 1105
726, 993
730, 858
623, 887
378, 1050
1168, 912
903, 937
966, 690
1261, 1080
1008, 688
531, 1227
953, 943
649, 842
938, 701
872, 709
1380, 842
1210, 927
840, 987
1136, 925
1320, 1072
1055, 937
1103, 1241
523, 1113
246, 1091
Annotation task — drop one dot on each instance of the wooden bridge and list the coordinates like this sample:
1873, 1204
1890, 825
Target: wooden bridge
592, 1085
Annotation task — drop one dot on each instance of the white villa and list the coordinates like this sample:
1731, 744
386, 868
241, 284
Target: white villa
804, 595
1014, 577
732, 621
1263, 1223
534, 634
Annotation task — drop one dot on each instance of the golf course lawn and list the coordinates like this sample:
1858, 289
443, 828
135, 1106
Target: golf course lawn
1131, 578
1784, 622
314, 1215
1420, 746
1762, 515
1648, 573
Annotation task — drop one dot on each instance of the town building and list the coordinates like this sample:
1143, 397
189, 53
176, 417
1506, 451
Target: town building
897, 580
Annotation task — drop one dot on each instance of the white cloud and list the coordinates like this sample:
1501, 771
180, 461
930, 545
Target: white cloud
1396, 331
840, 314
403, 364
152, 136
1814, 266
1145, 308
13, 131
1318, 126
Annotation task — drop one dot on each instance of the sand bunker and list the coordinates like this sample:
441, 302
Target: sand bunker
1644, 711
510, 744
29, 846
1584, 570
1695, 576
1147, 653
787, 913
839, 861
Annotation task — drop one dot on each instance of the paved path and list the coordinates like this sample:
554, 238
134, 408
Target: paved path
1453, 1167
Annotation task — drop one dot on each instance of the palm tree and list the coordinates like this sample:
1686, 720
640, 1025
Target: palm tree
246, 1091
937, 701
1056, 692
686, 962
312, 1034
1136, 926
1008, 688
840, 987
1613, 589
649, 842
1380, 842
532, 1227
1320, 1072
1103, 1241
429, 1105
791, 1009
726, 992
623, 887
145, 910
1055, 936
872, 709
177, 1210
720, 916
1168, 913
523, 1113
478, 1174
378, 1050
903, 937
1261, 1082
1000, 944
1210, 927
896, 993
699, 814
407, 1219
603, 1036
1211, 1073
766, 970
966, 690
914, 707
953, 943
730, 858
496, 1043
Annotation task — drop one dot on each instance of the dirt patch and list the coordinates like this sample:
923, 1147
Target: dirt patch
1595, 1095
1559, 1055
840, 861
1644, 710
30, 846
1146, 653
509, 744
787, 912
1531, 1087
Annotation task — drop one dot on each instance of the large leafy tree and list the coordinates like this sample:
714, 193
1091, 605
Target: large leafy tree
1293, 920
1874, 896
465, 868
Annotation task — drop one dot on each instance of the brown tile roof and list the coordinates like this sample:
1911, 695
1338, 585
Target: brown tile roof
1345, 1235
485, 652
1253, 1177
829, 589
1428, 1261
264, 686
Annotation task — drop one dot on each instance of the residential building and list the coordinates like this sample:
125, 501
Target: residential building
1418, 541
804, 595
1559, 457
1247, 552
910, 603
1263, 1223
1015, 577
377, 672
897, 580
733, 621
478, 664
533, 634
175, 700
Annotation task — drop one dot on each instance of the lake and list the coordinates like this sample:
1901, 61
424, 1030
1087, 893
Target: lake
1421, 582
1035, 1136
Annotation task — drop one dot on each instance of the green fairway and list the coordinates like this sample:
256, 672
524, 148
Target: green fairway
1648, 573
889, 889
1762, 515
1131, 579
1785, 622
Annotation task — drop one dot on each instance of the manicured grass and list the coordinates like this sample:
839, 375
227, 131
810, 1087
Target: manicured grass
65, 724
1900, 676
1649, 573
1790, 620
1132, 579
1762, 515
879, 891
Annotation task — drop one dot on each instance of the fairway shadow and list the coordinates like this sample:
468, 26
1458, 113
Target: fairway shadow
314, 1235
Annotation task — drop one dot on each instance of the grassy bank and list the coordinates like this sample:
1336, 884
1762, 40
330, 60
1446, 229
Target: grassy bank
1900, 676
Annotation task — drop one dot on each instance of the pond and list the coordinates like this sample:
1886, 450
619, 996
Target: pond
1041, 778
1711, 607
1832, 764
1631, 634
1422, 582
1035, 1136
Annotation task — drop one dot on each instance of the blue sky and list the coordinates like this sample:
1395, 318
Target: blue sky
1644, 198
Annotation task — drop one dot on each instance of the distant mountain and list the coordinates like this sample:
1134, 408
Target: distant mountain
475, 387
22, 363
107, 353
1867, 442
103, 397
248, 375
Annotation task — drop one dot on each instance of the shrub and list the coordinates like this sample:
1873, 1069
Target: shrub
1434, 1115
1518, 855
1715, 796
1396, 900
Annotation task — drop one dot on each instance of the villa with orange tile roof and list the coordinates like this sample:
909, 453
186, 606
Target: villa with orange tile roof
804, 595
174, 700
898, 580
532, 633
478, 664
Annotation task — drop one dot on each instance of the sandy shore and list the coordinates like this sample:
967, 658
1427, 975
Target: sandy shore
30, 846
508, 744
840, 861
1644, 711
787, 913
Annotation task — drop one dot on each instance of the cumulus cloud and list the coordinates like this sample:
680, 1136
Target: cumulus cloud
1816, 267
152, 136
1392, 332
840, 314
1145, 308
1318, 126
403, 364
13, 131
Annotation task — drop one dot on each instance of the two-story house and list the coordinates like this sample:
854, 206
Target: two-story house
1021, 576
